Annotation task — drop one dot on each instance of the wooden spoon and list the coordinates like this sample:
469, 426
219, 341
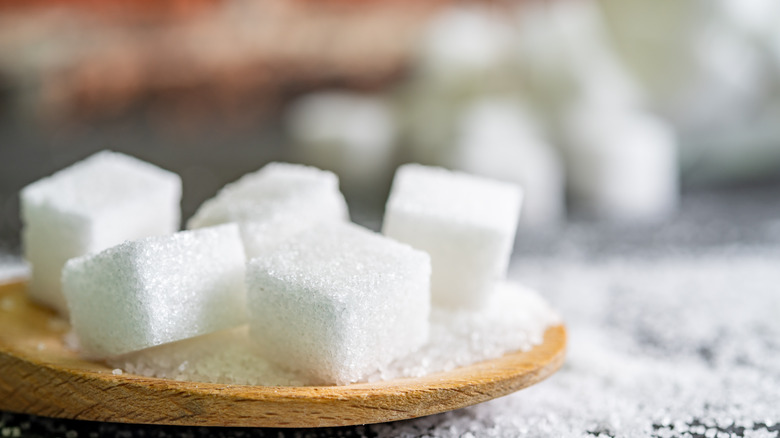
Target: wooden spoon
38, 375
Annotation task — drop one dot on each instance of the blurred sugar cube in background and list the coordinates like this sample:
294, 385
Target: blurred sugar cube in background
500, 140
586, 104
351, 134
621, 165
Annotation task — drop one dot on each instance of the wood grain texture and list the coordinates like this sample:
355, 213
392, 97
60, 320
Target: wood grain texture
38, 375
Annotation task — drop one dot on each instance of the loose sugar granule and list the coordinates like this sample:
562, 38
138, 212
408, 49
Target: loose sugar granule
679, 346
515, 319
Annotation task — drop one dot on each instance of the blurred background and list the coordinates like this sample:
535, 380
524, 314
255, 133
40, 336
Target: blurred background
646, 134
606, 111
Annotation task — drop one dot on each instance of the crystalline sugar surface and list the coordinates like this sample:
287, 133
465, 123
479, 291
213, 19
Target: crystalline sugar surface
90, 206
261, 237
338, 302
466, 223
156, 290
276, 190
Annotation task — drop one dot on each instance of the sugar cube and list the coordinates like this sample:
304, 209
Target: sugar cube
499, 139
466, 223
337, 302
261, 237
276, 190
622, 164
156, 290
88, 207
464, 40
349, 133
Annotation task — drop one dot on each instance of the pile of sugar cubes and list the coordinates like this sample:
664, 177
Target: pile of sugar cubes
272, 268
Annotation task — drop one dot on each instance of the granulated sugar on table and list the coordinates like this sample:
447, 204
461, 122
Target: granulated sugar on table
679, 346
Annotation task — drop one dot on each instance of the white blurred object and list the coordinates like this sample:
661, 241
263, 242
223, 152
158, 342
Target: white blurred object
563, 50
727, 85
757, 17
463, 40
704, 70
621, 165
465, 51
348, 133
499, 139
427, 117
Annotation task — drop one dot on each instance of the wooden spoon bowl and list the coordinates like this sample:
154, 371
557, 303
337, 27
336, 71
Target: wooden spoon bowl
38, 375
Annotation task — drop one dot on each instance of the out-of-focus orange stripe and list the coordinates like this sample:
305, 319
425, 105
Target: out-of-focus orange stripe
170, 9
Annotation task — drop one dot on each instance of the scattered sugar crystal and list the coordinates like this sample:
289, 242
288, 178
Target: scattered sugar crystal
276, 190
466, 223
228, 357
116, 372
156, 290
515, 319
337, 301
90, 206
636, 330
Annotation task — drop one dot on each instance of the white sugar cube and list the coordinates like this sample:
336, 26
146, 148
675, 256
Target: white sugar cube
622, 164
156, 290
88, 207
260, 238
464, 40
338, 301
500, 139
277, 190
351, 134
466, 223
